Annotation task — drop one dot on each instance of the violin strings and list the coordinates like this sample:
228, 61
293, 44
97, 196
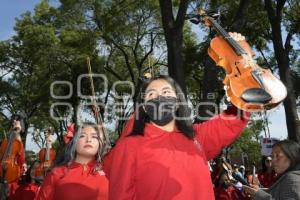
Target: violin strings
238, 49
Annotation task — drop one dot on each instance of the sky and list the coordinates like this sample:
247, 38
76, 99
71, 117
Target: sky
9, 10
12, 9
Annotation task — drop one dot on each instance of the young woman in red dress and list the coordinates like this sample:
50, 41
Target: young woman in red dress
267, 176
165, 156
28, 186
79, 175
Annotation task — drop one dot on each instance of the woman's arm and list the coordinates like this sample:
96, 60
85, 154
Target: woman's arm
287, 189
221, 131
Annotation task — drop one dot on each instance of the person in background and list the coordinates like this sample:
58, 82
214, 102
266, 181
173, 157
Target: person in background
226, 190
286, 163
28, 186
237, 175
79, 174
266, 175
17, 150
242, 169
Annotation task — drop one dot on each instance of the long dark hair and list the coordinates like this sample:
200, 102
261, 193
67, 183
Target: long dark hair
183, 112
69, 154
292, 150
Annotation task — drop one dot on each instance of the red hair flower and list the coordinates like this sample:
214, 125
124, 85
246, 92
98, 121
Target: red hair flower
70, 133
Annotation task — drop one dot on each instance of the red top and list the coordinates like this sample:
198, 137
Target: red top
108, 157
13, 188
165, 165
229, 193
266, 179
25, 192
76, 182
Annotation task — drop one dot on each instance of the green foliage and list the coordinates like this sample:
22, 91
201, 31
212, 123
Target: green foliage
249, 142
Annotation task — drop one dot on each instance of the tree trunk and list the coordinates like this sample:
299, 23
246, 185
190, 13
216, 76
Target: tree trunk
175, 60
174, 38
282, 57
208, 92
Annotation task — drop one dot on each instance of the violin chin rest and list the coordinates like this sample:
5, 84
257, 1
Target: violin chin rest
256, 95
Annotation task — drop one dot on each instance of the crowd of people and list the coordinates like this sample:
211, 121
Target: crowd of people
161, 155
165, 157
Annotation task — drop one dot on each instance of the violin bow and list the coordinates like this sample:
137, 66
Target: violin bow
95, 107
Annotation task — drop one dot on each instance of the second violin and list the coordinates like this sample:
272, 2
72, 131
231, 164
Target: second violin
46, 155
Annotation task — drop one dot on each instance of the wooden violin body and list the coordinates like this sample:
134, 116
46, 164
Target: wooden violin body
247, 85
46, 157
243, 74
252, 178
10, 170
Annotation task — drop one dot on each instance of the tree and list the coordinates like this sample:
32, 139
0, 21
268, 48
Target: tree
249, 143
53, 43
285, 13
173, 31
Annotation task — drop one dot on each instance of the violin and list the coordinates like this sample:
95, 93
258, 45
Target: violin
46, 156
10, 170
247, 86
252, 178
227, 167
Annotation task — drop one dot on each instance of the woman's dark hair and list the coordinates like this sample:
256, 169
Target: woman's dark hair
19, 116
183, 112
70, 150
292, 150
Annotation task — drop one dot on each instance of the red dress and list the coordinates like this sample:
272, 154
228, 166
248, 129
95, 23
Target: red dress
108, 157
229, 193
26, 192
165, 165
266, 179
20, 158
76, 182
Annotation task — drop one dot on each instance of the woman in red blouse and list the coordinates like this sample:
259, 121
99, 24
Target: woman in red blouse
267, 175
165, 156
28, 186
79, 176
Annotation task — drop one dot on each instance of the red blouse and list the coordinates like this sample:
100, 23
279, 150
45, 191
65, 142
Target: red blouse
25, 192
266, 179
108, 157
229, 193
76, 182
165, 165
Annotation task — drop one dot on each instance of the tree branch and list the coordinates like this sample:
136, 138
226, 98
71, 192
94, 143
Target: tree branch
279, 7
270, 9
148, 53
287, 44
181, 14
167, 14
126, 57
